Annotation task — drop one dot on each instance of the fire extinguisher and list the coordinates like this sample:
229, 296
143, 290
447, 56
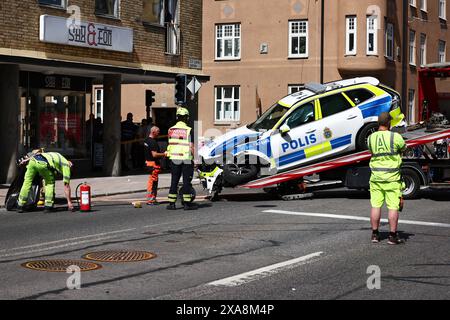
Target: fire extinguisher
85, 196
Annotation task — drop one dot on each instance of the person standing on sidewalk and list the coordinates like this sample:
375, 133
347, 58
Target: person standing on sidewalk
47, 165
153, 155
386, 185
181, 153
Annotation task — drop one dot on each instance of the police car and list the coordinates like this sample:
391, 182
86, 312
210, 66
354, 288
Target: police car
320, 121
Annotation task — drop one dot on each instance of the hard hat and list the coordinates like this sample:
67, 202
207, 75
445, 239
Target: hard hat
182, 112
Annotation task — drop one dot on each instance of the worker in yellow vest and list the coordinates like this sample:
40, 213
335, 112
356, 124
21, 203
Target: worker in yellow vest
386, 184
180, 151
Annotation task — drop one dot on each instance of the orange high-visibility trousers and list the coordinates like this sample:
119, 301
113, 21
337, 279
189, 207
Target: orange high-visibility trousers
152, 183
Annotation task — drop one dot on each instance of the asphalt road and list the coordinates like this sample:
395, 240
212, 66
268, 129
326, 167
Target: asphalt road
246, 246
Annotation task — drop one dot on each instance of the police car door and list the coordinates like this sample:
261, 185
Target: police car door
340, 122
294, 136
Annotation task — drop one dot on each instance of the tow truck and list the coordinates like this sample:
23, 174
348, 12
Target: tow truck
426, 163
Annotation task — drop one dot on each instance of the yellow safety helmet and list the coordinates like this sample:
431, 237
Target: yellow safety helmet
182, 112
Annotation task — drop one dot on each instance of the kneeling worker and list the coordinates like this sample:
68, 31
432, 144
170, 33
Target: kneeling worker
46, 164
153, 155
181, 153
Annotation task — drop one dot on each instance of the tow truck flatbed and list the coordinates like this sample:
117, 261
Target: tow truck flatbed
413, 139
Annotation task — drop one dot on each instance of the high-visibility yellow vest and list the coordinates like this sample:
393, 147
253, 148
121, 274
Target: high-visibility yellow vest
386, 148
59, 163
179, 142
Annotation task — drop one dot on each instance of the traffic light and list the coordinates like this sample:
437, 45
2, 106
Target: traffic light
149, 98
180, 89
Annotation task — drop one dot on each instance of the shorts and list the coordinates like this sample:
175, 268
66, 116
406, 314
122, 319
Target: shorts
389, 192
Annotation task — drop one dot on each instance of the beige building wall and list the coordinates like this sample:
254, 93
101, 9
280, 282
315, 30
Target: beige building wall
267, 21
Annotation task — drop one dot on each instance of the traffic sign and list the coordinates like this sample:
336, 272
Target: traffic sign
194, 86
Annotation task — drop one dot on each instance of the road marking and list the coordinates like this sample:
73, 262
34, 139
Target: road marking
339, 216
262, 272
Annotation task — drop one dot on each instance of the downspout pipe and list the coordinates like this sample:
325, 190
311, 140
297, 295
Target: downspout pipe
322, 39
405, 58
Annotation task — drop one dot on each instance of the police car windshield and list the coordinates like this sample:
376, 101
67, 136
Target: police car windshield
269, 119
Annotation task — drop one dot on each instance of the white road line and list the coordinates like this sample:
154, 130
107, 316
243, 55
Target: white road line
339, 216
67, 240
262, 272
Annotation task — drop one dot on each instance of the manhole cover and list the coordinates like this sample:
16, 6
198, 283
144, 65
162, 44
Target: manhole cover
119, 256
60, 265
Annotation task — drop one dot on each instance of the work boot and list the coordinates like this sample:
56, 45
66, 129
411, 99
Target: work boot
48, 209
395, 239
375, 237
190, 206
20, 209
153, 203
171, 206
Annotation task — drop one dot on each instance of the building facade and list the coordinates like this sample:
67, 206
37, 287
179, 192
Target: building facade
258, 51
54, 52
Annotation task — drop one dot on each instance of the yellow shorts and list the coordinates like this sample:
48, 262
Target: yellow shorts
390, 192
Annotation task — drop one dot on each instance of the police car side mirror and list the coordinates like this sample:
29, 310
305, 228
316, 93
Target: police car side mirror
284, 129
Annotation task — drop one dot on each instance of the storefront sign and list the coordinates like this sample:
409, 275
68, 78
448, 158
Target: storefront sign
54, 81
86, 34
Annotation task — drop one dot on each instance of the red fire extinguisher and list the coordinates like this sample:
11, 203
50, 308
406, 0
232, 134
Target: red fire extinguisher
85, 197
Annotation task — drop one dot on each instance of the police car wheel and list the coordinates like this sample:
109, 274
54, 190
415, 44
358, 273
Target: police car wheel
236, 174
361, 139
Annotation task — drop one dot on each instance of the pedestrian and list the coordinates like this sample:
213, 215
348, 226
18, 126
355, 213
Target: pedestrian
128, 133
143, 133
47, 165
153, 155
386, 184
180, 152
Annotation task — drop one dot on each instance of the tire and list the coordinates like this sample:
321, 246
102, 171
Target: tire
412, 181
235, 174
361, 139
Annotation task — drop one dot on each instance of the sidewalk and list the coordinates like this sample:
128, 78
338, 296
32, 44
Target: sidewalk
108, 186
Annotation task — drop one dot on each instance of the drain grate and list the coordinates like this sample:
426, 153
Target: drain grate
120, 256
60, 265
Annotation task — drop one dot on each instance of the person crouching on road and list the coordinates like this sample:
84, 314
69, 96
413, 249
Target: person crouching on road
153, 155
386, 185
47, 165
181, 153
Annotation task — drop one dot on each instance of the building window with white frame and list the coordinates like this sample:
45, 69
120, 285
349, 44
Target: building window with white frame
298, 39
423, 5
372, 35
423, 49
227, 107
293, 88
54, 3
109, 8
442, 49
412, 47
411, 106
390, 41
98, 103
443, 9
228, 41
350, 35
412, 3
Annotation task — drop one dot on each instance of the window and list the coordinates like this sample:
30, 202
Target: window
412, 47
423, 49
107, 7
298, 39
228, 41
442, 9
412, 3
334, 104
301, 115
359, 95
293, 88
98, 103
372, 35
423, 5
350, 36
442, 56
56, 3
160, 11
227, 103
270, 118
411, 106
390, 41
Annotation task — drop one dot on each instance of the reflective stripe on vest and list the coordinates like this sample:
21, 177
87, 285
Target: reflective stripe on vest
386, 161
179, 142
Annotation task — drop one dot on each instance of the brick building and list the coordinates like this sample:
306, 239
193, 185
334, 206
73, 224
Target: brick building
52, 52
262, 50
